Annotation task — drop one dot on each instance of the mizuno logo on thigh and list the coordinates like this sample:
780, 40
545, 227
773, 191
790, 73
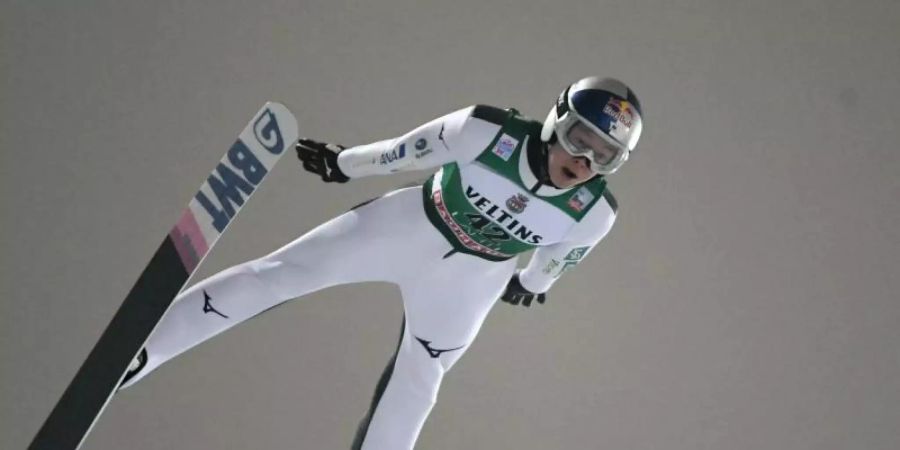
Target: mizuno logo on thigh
435, 352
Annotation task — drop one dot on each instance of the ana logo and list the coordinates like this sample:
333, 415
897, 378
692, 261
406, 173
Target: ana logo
505, 147
517, 203
393, 155
421, 144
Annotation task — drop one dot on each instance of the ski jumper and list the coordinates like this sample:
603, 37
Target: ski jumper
449, 245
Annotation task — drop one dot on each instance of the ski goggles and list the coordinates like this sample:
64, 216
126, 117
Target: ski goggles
579, 139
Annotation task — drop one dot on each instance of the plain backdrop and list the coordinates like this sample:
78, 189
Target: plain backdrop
746, 298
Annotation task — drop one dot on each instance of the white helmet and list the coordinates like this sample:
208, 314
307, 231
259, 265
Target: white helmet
607, 108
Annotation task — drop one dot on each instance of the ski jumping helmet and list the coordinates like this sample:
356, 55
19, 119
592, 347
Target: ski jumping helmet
606, 107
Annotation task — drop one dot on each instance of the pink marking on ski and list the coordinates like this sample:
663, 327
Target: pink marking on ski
189, 240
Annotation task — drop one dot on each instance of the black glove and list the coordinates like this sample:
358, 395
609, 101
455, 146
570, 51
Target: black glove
515, 293
321, 158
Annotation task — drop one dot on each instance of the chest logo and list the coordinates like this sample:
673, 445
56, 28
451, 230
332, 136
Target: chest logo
517, 203
580, 199
505, 146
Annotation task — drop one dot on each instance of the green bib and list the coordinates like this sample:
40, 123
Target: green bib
485, 208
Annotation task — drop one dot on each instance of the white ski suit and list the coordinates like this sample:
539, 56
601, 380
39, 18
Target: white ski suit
449, 245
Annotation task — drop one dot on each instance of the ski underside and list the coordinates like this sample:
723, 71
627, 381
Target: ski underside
226, 190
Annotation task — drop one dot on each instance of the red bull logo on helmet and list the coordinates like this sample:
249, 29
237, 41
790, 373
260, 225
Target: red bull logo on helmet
621, 111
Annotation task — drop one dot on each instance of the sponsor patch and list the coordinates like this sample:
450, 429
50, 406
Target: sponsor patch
422, 148
505, 146
517, 203
580, 199
572, 258
576, 253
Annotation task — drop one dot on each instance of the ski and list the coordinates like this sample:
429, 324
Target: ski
227, 188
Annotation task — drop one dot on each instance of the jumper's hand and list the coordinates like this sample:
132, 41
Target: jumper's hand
321, 158
515, 293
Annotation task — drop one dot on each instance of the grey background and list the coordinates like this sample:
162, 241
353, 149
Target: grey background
745, 299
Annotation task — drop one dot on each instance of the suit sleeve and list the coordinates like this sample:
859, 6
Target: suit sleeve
548, 263
453, 137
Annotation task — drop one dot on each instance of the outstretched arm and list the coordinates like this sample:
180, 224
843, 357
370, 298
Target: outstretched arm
457, 136
453, 137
